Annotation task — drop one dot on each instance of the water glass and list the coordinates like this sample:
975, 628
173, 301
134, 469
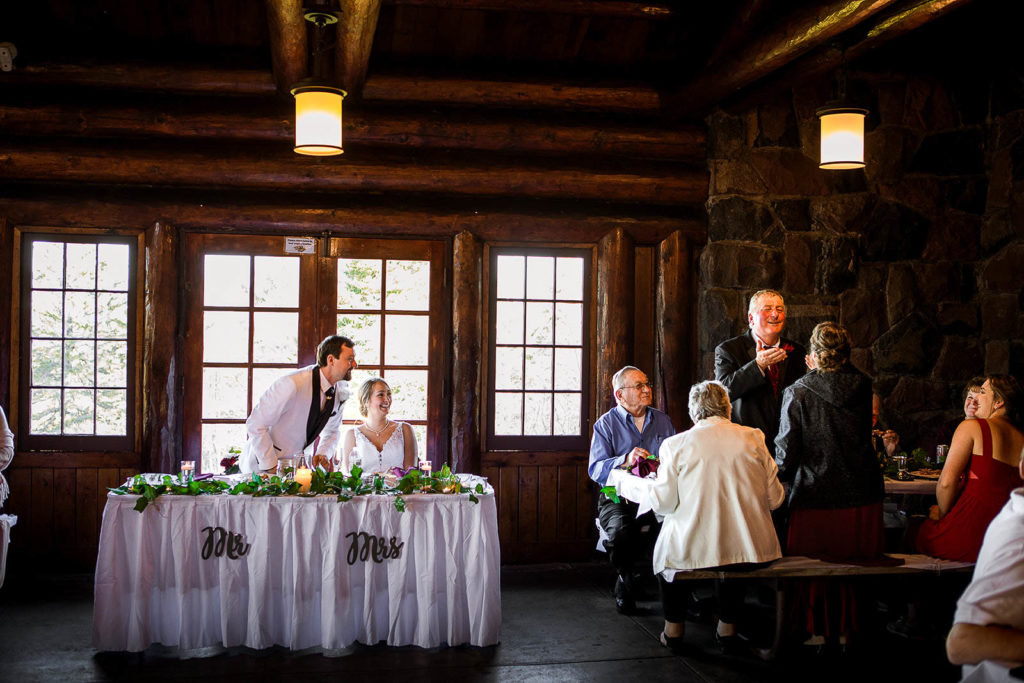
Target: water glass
941, 451
188, 468
286, 468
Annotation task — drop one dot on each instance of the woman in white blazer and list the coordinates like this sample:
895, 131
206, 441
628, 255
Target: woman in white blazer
717, 485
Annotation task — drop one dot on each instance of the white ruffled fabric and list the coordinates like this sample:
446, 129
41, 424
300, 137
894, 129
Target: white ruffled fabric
6, 455
295, 587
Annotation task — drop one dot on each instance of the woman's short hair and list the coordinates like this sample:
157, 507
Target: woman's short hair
366, 391
1006, 389
973, 384
831, 344
708, 399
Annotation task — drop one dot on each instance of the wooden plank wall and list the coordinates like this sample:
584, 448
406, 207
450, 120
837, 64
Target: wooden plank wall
59, 511
546, 506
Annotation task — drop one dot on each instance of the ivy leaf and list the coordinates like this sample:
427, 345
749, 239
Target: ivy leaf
400, 503
473, 499
611, 493
141, 503
479, 488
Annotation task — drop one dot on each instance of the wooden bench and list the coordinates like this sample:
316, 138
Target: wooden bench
786, 571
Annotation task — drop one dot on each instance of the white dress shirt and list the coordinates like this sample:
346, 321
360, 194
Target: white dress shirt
716, 486
277, 425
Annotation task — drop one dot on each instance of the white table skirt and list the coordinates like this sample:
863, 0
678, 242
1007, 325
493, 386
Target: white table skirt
298, 585
6, 522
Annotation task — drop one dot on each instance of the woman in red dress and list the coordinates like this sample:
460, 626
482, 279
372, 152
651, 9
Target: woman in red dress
979, 474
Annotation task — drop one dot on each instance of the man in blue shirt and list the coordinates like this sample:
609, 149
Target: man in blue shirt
629, 431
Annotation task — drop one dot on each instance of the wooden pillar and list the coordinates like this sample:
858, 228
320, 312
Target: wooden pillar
161, 393
674, 312
616, 266
467, 351
8, 356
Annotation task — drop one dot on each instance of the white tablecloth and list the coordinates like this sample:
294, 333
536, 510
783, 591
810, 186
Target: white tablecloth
300, 584
633, 488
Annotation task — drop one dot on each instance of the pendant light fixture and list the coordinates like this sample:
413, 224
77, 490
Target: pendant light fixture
318, 104
842, 129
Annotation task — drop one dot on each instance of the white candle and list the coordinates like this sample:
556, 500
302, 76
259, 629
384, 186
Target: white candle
425, 468
304, 476
187, 468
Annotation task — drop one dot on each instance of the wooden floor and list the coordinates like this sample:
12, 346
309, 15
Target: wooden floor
559, 624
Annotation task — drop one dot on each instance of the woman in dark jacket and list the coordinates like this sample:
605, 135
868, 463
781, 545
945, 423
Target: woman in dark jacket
824, 449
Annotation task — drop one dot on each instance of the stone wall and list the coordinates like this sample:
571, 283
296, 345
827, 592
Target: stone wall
920, 255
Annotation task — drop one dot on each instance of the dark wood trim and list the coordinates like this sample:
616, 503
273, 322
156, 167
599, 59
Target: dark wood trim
807, 27
32, 459
8, 311
676, 329
657, 184
467, 302
161, 431
584, 8
443, 129
351, 221
288, 49
517, 458
354, 41
615, 300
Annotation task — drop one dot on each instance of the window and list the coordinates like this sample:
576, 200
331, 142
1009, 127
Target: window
384, 307
258, 313
538, 350
78, 332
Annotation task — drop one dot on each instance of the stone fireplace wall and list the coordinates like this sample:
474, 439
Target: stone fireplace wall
920, 255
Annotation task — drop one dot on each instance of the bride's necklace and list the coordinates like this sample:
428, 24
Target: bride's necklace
378, 433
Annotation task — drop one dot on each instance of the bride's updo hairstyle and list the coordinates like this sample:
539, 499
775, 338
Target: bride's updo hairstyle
366, 391
831, 344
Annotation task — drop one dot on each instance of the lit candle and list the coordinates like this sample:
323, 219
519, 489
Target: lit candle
187, 468
425, 468
304, 476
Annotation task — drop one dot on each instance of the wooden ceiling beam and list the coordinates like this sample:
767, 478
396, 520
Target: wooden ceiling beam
346, 221
288, 45
394, 87
826, 60
622, 9
258, 170
439, 131
355, 33
800, 32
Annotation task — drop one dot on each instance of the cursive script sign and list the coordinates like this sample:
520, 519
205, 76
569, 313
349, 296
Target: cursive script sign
366, 546
219, 540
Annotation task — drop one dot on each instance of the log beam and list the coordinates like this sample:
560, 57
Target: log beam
161, 436
807, 28
467, 328
616, 264
288, 45
585, 8
676, 292
469, 132
526, 93
287, 172
825, 60
355, 40
349, 221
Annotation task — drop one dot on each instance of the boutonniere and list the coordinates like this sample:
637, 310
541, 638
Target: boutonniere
787, 347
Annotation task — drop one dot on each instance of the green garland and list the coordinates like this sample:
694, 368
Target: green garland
335, 483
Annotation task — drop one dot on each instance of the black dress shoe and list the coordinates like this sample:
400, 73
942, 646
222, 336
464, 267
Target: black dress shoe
624, 602
675, 644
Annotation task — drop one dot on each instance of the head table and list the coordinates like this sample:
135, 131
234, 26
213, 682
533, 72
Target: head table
299, 572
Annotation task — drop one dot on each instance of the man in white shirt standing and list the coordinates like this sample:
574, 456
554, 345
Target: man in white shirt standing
989, 620
301, 410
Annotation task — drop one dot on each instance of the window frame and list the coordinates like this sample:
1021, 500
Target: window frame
318, 281
494, 442
24, 237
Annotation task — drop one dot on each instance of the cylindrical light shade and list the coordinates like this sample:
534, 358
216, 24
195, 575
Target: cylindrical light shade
318, 120
842, 137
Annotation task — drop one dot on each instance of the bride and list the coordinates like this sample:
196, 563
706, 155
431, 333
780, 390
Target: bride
379, 443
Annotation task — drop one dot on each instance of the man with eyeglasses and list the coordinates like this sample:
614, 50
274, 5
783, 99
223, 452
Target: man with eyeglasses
757, 366
628, 432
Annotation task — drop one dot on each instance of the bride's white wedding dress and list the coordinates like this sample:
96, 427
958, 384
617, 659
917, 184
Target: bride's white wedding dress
366, 455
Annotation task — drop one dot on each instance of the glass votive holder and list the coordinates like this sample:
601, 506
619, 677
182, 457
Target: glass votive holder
303, 475
425, 468
286, 468
188, 468
941, 451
